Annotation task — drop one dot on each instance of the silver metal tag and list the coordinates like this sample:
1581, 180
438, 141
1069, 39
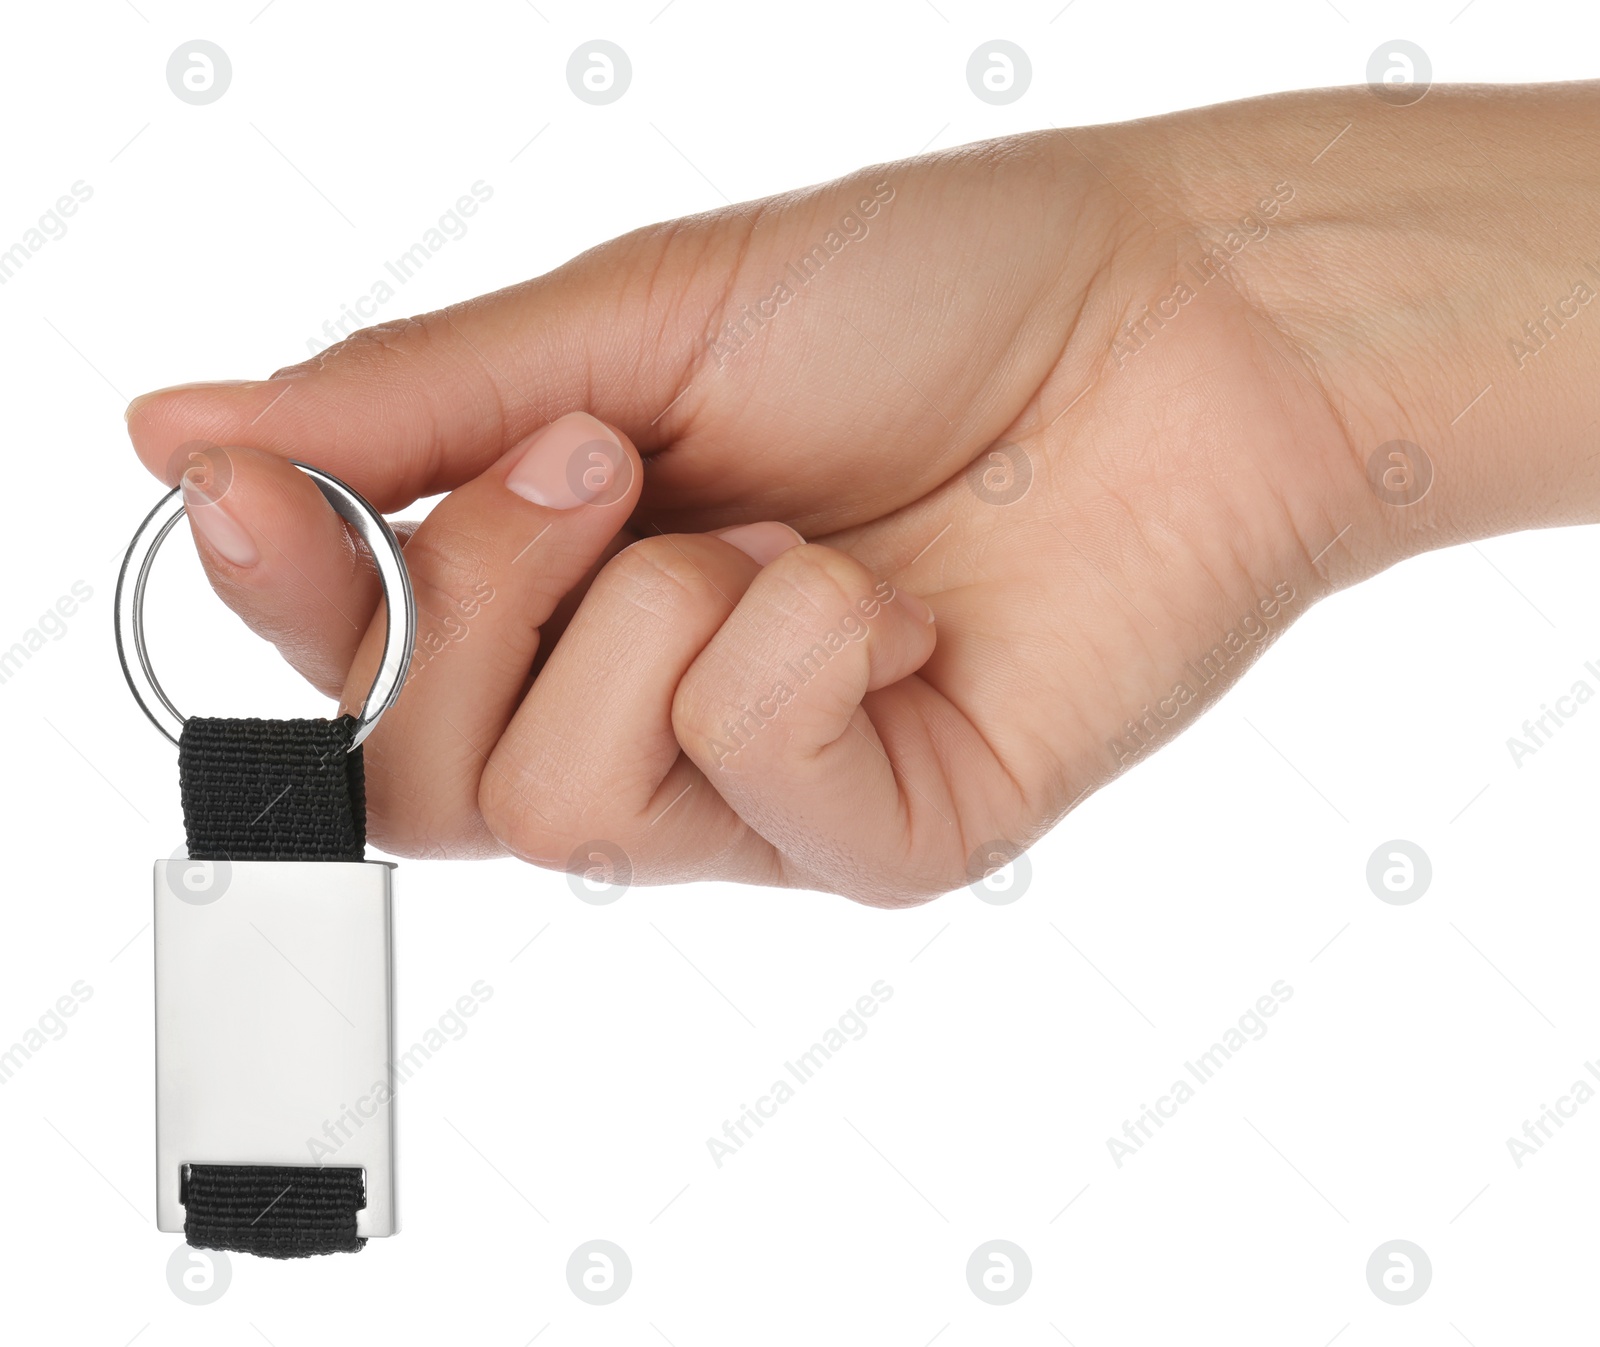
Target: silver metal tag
275, 1023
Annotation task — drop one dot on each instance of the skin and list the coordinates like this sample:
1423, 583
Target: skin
1205, 472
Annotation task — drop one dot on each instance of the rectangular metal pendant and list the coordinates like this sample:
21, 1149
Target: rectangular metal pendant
275, 1023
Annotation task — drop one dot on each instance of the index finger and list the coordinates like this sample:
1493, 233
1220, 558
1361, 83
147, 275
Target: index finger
420, 406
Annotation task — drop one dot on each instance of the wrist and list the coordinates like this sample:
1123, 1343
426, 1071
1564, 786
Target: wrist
1435, 269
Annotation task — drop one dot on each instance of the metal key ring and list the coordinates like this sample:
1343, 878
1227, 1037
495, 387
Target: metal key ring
370, 526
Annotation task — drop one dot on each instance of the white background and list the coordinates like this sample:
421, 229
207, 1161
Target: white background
1019, 1037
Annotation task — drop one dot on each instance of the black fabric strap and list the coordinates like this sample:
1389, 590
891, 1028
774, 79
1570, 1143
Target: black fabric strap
272, 790
276, 1211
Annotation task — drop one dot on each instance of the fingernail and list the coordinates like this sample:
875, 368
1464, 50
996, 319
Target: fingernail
143, 398
224, 534
573, 461
916, 607
763, 542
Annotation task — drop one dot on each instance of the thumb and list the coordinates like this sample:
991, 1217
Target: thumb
419, 406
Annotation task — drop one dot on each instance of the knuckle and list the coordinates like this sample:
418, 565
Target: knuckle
519, 821
539, 802
727, 721
371, 345
657, 577
424, 813
729, 708
550, 826
503, 814
447, 565
718, 722
696, 709
809, 583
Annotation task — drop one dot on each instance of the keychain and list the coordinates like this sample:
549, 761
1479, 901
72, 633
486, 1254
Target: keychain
274, 986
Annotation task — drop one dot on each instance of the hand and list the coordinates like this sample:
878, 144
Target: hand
1096, 401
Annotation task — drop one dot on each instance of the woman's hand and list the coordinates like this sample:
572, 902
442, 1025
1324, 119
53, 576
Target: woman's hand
856, 534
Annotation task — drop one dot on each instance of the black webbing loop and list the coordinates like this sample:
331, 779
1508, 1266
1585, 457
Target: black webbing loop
276, 1211
272, 790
